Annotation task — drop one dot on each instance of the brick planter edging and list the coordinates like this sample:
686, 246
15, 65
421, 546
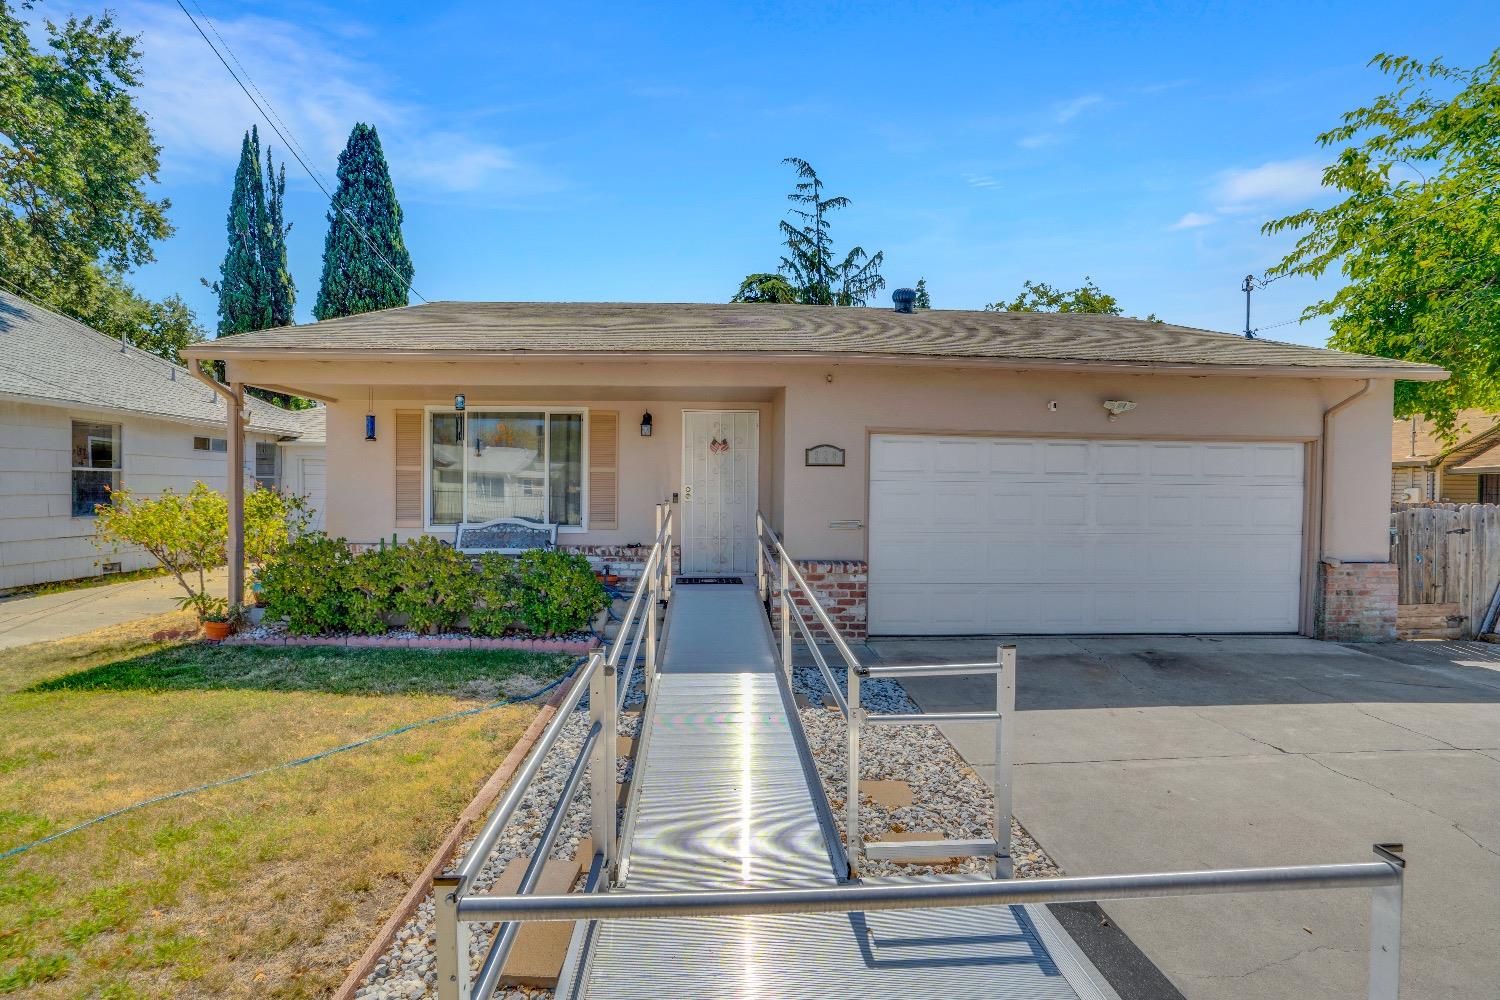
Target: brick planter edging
575, 646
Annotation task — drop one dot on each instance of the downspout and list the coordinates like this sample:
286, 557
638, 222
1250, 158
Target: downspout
234, 398
1325, 450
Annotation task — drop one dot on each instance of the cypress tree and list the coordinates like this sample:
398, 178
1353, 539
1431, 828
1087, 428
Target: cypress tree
367, 267
282, 291
244, 300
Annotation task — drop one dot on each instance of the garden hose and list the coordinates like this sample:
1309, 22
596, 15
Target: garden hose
23, 848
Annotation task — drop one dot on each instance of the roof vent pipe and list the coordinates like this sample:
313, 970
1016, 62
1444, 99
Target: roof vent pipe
905, 299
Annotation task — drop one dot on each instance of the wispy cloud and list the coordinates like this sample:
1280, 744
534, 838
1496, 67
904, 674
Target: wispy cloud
1276, 182
1194, 220
1039, 140
317, 93
1068, 110
980, 181
1273, 184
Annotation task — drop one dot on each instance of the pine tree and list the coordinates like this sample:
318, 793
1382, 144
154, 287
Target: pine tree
811, 272
365, 263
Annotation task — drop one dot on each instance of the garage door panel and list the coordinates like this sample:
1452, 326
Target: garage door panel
1065, 458
1013, 457
975, 535
1060, 507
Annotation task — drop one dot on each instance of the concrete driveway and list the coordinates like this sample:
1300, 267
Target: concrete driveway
48, 617
1158, 753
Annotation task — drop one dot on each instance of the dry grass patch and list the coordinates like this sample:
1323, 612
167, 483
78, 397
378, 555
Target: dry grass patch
272, 886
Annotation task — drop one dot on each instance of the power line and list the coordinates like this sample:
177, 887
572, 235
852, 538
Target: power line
1401, 288
272, 120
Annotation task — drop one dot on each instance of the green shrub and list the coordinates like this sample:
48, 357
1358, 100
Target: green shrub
434, 584
558, 592
369, 590
497, 596
305, 584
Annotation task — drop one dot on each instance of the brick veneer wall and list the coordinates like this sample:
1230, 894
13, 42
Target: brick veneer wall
1356, 602
842, 588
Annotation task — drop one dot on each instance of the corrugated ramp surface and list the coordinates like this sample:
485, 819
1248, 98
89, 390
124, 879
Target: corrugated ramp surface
725, 803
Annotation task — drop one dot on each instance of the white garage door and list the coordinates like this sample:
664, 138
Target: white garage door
972, 535
315, 487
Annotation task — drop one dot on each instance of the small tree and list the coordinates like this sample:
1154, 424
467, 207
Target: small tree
188, 533
923, 300
185, 533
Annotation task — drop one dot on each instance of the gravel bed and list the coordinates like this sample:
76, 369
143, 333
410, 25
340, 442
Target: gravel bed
407, 969
947, 797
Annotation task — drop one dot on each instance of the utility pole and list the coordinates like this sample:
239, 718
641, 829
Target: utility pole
1247, 287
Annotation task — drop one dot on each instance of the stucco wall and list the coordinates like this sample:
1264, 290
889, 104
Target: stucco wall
40, 540
805, 404
650, 468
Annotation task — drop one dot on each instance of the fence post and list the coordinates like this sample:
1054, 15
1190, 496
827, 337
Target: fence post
666, 554
1005, 707
855, 847
602, 769
760, 558
786, 616
1385, 928
452, 959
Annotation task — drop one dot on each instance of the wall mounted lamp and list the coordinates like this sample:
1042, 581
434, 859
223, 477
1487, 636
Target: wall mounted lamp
646, 424
370, 417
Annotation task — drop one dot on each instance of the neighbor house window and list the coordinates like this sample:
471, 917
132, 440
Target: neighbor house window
1489, 489
267, 464
210, 444
97, 463
488, 464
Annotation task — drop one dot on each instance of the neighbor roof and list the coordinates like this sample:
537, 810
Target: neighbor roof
663, 329
51, 359
1415, 440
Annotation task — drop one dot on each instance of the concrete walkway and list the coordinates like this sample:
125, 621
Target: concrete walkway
24, 620
1156, 753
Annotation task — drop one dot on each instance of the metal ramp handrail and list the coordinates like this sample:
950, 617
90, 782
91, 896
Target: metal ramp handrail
1384, 877
856, 716
607, 686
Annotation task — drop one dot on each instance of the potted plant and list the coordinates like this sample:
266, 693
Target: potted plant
214, 615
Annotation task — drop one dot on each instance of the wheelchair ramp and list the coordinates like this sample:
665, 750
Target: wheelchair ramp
727, 799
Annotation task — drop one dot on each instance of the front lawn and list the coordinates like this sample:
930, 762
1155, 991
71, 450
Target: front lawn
272, 886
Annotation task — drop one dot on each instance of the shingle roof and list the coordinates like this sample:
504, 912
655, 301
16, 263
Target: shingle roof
1415, 441
53, 359
1487, 460
312, 424
639, 328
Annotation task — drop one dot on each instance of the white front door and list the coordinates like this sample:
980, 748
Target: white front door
720, 455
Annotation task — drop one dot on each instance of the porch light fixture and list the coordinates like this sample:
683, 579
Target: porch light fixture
370, 417
458, 402
1115, 407
646, 424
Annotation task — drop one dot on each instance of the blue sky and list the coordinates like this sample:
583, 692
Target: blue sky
593, 151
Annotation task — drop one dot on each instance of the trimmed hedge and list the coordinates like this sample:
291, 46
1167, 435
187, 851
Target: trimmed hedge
318, 586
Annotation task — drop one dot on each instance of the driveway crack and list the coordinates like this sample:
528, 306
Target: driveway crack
1415, 805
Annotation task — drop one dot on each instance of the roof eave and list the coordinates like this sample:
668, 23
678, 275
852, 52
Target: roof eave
1425, 373
82, 404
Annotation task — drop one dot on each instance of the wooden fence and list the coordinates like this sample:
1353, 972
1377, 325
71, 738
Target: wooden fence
1448, 554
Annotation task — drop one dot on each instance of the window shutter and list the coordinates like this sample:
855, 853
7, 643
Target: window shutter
408, 468
604, 469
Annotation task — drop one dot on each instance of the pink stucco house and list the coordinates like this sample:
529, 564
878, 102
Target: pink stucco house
938, 472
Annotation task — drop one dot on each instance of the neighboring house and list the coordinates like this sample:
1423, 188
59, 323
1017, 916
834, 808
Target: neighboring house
1426, 468
81, 414
937, 472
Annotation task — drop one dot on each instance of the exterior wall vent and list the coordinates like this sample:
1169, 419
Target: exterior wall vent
905, 300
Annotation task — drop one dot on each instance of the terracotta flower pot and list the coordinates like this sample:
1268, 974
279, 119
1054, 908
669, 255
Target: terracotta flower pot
216, 631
